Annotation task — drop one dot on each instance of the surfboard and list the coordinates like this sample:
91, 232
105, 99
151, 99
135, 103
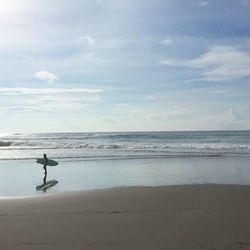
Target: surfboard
49, 162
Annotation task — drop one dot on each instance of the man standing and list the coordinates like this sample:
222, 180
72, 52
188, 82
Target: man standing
45, 164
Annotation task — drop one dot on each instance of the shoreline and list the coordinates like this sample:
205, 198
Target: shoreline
69, 193
23, 178
173, 217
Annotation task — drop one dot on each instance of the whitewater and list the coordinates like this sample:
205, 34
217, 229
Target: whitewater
124, 145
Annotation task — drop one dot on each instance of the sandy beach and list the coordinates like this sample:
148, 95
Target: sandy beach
177, 217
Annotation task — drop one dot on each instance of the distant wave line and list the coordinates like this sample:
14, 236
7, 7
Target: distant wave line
96, 158
33, 145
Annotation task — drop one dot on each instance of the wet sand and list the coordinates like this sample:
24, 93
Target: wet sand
177, 217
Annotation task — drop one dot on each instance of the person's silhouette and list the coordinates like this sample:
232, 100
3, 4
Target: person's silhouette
45, 179
45, 165
41, 187
45, 182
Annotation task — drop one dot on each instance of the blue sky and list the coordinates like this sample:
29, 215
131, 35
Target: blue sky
124, 65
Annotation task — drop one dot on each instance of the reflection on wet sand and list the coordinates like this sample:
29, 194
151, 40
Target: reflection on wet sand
46, 184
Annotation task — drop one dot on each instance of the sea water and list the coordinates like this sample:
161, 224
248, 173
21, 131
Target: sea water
126, 145
104, 160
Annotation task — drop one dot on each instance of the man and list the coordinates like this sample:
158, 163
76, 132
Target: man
46, 162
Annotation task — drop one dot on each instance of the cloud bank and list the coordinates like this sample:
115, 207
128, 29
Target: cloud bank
40, 91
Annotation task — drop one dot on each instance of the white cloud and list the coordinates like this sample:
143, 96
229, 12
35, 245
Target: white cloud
219, 63
47, 102
87, 40
46, 76
189, 118
44, 105
150, 97
122, 104
171, 62
222, 63
166, 41
202, 3
219, 91
177, 113
40, 91
245, 3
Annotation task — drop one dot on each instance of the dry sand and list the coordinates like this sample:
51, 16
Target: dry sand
183, 217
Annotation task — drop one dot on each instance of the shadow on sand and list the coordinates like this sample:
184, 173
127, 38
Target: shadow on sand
46, 184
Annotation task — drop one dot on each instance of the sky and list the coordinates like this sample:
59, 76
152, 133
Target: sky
124, 65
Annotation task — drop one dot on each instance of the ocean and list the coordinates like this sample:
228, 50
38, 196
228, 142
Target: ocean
124, 145
90, 161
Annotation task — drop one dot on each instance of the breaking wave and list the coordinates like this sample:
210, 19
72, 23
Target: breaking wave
125, 145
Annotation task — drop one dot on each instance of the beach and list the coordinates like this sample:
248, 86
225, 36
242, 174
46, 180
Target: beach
176, 217
124, 125
185, 190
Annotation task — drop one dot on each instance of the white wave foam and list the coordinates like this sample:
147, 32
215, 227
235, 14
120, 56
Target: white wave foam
32, 144
127, 144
